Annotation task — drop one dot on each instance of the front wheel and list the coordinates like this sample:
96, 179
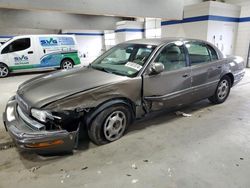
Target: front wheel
222, 91
67, 64
4, 70
109, 125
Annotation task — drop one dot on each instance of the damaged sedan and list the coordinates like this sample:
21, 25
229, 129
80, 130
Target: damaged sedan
49, 112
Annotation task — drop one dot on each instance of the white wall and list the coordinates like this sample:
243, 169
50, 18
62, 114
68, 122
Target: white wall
90, 44
152, 27
196, 30
243, 38
128, 30
221, 33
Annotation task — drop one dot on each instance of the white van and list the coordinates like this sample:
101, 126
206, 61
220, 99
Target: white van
38, 52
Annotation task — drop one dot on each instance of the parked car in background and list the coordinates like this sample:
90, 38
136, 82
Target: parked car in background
127, 82
38, 52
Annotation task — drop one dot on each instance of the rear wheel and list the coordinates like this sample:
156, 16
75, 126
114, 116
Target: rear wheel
109, 125
67, 64
4, 70
222, 91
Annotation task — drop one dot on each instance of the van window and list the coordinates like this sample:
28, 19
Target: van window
198, 53
17, 45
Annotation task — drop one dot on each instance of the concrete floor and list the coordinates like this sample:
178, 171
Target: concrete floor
209, 149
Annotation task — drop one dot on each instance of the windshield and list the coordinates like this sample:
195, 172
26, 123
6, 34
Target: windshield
124, 59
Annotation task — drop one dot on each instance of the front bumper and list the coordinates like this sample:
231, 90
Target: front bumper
27, 137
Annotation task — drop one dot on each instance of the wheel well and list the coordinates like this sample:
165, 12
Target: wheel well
230, 75
112, 102
67, 58
5, 65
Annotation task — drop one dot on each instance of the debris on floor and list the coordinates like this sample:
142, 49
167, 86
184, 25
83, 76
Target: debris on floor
84, 168
241, 158
7, 145
169, 172
33, 169
64, 176
128, 175
179, 113
134, 166
109, 162
134, 181
145, 160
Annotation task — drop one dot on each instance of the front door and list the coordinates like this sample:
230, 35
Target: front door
20, 54
172, 87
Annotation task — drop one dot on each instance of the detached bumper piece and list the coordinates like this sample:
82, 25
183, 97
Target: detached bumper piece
28, 134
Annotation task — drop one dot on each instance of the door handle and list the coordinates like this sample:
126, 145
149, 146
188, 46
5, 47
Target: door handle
30, 52
185, 75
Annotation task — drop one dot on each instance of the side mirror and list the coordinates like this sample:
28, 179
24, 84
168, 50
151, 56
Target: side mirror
156, 68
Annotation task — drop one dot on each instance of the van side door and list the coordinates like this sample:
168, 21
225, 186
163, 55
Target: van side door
20, 54
206, 69
172, 87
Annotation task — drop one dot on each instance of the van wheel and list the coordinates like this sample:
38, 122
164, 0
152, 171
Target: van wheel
4, 70
67, 64
222, 91
109, 125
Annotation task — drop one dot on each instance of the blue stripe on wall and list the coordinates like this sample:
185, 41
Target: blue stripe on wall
6, 36
245, 19
206, 18
85, 34
129, 30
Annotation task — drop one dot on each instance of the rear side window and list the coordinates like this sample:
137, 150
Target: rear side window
213, 53
198, 53
17, 45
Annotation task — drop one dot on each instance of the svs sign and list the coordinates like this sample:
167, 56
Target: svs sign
46, 41
21, 60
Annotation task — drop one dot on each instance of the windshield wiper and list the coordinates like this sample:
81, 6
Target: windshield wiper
100, 68
112, 71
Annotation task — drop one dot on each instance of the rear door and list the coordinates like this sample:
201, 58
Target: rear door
171, 87
205, 69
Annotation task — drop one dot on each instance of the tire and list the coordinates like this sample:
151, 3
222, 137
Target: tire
4, 70
109, 125
222, 91
67, 64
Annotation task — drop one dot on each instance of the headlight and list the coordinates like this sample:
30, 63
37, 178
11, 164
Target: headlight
41, 115
10, 113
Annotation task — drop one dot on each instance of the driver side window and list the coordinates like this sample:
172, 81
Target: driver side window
172, 57
17, 45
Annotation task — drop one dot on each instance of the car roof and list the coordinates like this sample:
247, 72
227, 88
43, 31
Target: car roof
159, 41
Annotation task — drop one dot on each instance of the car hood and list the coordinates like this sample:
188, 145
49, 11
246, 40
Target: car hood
48, 88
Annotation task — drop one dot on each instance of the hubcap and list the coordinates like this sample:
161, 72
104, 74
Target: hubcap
67, 65
114, 125
3, 71
223, 89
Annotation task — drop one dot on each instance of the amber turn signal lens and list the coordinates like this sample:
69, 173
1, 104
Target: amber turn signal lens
45, 144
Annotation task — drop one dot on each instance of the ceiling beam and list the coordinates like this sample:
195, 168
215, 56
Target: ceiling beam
166, 9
